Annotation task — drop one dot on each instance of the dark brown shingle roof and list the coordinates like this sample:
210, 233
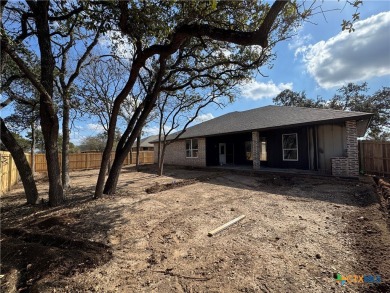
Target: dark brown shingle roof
269, 117
146, 142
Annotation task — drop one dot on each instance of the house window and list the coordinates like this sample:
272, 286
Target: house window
262, 149
290, 147
248, 150
191, 148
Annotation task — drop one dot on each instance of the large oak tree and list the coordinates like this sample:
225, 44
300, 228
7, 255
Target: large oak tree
161, 30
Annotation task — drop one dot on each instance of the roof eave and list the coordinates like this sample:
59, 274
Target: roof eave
334, 120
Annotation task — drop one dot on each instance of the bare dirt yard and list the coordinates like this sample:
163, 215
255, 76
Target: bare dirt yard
298, 233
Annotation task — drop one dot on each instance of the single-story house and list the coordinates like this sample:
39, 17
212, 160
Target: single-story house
275, 137
146, 144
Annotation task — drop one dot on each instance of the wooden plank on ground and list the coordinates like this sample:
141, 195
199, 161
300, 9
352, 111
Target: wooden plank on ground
224, 226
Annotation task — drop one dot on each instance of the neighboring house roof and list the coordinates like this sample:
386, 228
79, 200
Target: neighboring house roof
146, 142
272, 117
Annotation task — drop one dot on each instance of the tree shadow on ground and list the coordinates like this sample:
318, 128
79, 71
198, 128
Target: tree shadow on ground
365, 223
373, 244
42, 244
293, 186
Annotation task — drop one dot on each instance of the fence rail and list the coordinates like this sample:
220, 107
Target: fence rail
9, 175
374, 157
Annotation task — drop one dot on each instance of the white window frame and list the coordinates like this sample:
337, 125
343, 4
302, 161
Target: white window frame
291, 149
191, 149
263, 140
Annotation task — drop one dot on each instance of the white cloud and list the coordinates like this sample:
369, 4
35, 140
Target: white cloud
116, 41
299, 40
153, 130
204, 117
95, 127
76, 135
351, 57
259, 90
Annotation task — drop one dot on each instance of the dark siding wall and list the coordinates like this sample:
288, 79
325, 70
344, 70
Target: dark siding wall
238, 140
275, 151
332, 142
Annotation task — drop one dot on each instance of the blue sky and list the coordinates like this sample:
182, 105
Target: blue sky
319, 59
363, 55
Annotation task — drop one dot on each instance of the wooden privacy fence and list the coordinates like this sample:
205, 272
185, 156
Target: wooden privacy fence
92, 160
374, 157
9, 175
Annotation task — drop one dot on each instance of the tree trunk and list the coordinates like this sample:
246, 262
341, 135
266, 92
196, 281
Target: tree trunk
21, 163
65, 142
48, 113
33, 148
50, 134
112, 180
138, 147
161, 162
109, 165
111, 129
159, 137
103, 168
121, 153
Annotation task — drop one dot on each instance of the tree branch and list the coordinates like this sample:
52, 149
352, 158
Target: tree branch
186, 31
68, 15
85, 55
10, 80
23, 67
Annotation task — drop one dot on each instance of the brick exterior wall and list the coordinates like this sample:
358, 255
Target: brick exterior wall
175, 154
348, 166
340, 166
352, 148
256, 150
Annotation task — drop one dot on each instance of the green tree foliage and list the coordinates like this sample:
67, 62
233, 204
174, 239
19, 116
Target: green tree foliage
24, 143
93, 144
40, 143
379, 104
96, 143
296, 99
351, 97
354, 97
